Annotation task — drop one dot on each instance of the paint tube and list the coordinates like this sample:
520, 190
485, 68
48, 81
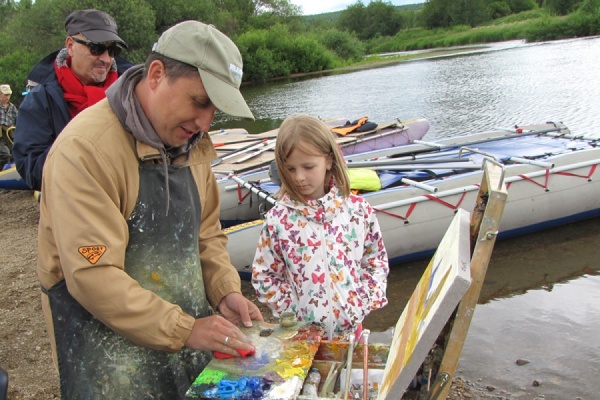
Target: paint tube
311, 383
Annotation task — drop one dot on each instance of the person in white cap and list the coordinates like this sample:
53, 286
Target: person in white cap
30, 85
68, 81
131, 281
8, 118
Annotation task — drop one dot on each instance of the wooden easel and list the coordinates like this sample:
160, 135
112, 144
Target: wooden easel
485, 221
433, 325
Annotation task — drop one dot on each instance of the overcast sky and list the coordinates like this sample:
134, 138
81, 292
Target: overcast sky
322, 6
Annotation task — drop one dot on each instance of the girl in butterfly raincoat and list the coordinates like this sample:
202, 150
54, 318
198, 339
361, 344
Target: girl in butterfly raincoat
320, 253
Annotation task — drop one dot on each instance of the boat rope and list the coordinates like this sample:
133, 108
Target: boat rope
514, 178
462, 191
453, 207
528, 179
241, 195
588, 176
549, 172
412, 206
403, 218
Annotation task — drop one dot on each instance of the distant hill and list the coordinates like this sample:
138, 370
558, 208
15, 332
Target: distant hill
332, 17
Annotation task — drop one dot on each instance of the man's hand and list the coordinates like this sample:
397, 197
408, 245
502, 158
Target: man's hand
215, 333
238, 309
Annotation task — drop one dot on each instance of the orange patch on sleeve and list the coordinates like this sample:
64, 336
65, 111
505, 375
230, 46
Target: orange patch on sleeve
92, 253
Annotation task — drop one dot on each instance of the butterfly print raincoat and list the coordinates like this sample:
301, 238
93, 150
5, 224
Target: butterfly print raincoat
326, 261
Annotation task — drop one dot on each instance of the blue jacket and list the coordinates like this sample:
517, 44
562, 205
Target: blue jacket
42, 116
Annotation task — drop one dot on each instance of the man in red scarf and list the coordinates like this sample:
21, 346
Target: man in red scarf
70, 80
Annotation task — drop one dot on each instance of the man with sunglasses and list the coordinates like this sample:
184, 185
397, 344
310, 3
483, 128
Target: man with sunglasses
69, 81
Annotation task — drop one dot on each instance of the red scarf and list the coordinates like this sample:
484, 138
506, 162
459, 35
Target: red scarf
77, 95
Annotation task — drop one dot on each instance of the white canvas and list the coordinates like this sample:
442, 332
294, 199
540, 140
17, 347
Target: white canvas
440, 289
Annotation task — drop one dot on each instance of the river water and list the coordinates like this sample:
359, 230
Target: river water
541, 298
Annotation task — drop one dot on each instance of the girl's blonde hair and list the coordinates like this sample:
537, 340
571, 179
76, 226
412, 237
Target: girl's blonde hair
302, 131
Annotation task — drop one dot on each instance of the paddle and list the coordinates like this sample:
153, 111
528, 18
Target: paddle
430, 144
228, 131
393, 161
240, 151
364, 138
426, 166
450, 144
256, 152
256, 139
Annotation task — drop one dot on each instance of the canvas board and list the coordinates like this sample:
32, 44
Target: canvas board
440, 289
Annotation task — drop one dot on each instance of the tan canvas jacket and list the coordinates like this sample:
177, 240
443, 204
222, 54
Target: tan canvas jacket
91, 182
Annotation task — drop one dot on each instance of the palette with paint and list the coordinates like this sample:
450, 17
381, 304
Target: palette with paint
275, 372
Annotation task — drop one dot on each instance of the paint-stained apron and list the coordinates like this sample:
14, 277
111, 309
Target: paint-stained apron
162, 255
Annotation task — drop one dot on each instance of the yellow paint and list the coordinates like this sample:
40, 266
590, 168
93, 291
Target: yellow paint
422, 310
296, 359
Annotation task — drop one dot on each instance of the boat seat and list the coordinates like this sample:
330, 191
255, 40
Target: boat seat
441, 173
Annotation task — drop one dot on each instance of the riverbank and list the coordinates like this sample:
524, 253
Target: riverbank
24, 345
384, 60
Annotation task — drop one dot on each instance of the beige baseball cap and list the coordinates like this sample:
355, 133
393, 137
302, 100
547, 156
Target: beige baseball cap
5, 89
217, 58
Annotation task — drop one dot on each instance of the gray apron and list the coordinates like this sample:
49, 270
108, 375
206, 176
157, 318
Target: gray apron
162, 255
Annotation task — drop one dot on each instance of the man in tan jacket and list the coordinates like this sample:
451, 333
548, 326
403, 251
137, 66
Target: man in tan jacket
132, 258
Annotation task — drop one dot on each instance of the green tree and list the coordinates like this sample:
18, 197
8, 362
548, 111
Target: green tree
517, 6
469, 12
499, 9
168, 13
562, 7
277, 12
447, 13
411, 19
15, 67
382, 19
344, 44
7, 9
377, 19
236, 16
279, 52
436, 14
352, 18
591, 7
281, 8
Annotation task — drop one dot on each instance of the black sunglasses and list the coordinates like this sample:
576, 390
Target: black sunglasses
98, 49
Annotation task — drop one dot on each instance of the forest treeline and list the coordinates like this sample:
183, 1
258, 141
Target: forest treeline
277, 41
